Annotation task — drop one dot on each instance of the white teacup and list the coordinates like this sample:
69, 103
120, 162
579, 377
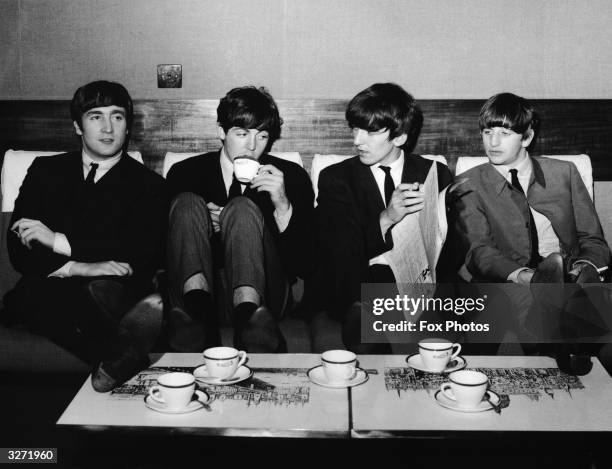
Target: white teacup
338, 365
174, 390
436, 353
222, 362
466, 387
245, 168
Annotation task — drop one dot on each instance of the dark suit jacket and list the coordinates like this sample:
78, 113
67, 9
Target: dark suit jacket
122, 219
493, 218
349, 206
202, 175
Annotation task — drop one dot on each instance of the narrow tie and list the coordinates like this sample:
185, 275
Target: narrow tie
535, 258
235, 189
91, 175
389, 185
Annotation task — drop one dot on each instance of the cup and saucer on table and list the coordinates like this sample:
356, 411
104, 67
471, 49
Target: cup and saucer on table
437, 356
223, 366
338, 369
175, 393
466, 391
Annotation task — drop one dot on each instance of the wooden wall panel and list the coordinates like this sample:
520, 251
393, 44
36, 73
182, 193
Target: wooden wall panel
314, 126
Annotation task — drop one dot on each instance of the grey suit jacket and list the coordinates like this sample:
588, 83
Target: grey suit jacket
493, 218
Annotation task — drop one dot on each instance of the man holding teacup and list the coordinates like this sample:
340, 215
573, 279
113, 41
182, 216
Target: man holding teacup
247, 212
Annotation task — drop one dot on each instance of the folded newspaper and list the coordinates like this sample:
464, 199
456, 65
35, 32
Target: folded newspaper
418, 240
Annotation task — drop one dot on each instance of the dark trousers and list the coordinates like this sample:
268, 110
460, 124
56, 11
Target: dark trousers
81, 314
244, 249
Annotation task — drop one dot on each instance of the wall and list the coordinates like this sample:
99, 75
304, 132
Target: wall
314, 48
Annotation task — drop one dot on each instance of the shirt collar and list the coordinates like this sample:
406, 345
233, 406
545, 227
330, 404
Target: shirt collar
103, 165
524, 168
399, 163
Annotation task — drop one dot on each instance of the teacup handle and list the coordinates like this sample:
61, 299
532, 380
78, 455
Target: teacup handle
456, 352
243, 357
354, 373
203, 396
444, 388
155, 394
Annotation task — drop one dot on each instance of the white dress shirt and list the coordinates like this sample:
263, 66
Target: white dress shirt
397, 167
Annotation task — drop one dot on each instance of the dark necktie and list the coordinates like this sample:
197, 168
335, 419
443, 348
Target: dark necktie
389, 185
90, 179
533, 232
235, 189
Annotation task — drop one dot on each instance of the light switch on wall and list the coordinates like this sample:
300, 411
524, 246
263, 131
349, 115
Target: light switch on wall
169, 76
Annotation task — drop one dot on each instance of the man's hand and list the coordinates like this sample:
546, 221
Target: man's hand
524, 276
271, 180
406, 198
99, 269
30, 230
583, 273
215, 213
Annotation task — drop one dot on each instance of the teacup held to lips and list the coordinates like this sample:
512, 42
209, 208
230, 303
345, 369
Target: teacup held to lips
222, 362
436, 353
174, 390
245, 168
339, 365
466, 387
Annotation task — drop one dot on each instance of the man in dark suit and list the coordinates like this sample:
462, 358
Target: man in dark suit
259, 231
361, 199
86, 234
527, 220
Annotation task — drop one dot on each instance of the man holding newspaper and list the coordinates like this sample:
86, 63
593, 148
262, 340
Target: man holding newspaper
364, 203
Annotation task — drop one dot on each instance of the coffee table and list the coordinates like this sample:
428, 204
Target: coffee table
400, 402
278, 400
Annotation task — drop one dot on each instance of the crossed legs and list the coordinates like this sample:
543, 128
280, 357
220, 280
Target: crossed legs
255, 280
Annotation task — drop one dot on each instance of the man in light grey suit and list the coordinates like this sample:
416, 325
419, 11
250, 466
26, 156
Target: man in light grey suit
523, 219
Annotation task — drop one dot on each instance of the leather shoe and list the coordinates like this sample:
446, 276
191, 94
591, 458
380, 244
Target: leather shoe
185, 334
573, 360
108, 375
134, 338
261, 333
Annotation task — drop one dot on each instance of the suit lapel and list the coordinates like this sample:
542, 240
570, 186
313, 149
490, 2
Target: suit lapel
212, 176
537, 175
415, 169
367, 190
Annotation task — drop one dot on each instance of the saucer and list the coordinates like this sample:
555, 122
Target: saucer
317, 376
242, 373
452, 405
191, 407
415, 361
